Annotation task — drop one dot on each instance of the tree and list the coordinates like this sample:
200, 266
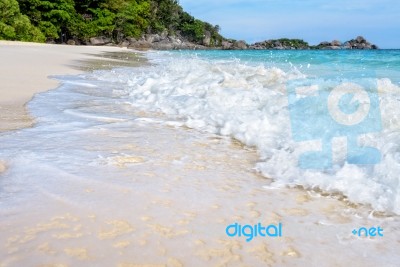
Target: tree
133, 18
52, 17
15, 26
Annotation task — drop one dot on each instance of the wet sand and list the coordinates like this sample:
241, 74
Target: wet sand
25, 69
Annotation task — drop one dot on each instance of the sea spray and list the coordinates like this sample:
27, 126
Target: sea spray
248, 101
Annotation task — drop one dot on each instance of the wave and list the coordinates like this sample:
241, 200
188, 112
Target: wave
249, 102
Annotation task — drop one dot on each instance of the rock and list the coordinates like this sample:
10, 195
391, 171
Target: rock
207, 38
360, 39
163, 45
175, 40
323, 44
226, 45
346, 45
240, 45
131, 40
124, 43
336, 43
164, 35
101, 40
70, 42
140, 45
151, 38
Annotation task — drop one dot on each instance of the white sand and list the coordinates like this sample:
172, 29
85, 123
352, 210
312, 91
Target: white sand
24, 70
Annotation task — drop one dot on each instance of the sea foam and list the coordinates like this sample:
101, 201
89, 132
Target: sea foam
249, 102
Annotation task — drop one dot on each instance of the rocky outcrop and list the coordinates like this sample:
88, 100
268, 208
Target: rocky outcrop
101, 40
280, 44
161, 42
164, 41
289, 44
207, 39
227, 45
240, 45
358, 43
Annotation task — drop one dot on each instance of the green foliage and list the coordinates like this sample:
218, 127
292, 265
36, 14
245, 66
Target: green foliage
15, 26
194, 30
38, 20
133, 18
296, 43
48, 29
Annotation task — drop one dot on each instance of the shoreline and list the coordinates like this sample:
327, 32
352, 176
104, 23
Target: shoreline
20, 82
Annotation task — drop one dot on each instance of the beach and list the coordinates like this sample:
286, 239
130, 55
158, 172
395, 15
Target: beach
25, 70
123, 167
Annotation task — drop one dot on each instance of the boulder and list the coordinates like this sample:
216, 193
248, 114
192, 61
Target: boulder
124, 43
323, 44
360, 39
347, 45
164, 35
71, 42
140, 45
131, 40
336, 43
175, 40
226, 45
207, 38
151, 38
163, 45
101, 40
240, 45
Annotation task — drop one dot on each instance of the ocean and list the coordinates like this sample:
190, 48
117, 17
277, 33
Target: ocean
105, 138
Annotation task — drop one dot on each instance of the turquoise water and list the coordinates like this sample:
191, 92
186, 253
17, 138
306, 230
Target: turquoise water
322, 63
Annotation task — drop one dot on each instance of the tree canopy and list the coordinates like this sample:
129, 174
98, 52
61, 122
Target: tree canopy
59, 20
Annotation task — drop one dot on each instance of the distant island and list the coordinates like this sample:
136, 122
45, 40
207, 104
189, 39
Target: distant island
138, 24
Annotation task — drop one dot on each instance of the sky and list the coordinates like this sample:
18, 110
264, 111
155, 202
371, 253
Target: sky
311, 20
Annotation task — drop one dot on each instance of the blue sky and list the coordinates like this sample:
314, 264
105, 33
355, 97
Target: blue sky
312, 20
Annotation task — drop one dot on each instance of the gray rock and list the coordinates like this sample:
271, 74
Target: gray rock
125, 43
347, 45
360, 39
226, 45
324, 44
101, 40
164, 35
163, 45
207, 38
151, 38
241, 45
71, 42
131, 40
175, 40
140, 45
336, 43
